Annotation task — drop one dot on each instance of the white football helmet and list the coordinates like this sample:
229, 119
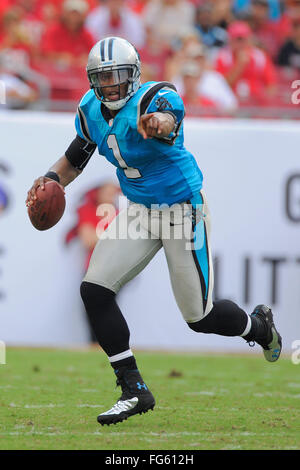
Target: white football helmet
114, 71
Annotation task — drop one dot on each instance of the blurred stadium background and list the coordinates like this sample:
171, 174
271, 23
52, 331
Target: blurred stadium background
236, 64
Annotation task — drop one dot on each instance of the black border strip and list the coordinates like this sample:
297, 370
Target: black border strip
110, 48
102, 46
83, 126
147, 98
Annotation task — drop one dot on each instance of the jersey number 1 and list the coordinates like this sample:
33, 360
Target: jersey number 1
129, 171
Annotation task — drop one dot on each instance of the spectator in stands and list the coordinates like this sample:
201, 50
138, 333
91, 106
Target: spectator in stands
14, 36
31, 18
114, 19
291, 11
292, 8
247, 69
154, 56
265, 32
38, 15
138, 6
211, 84
18, 94
68, 42
169, 19
188, 39
222, 13
241, 9
289, 54
195, 104
49, 14
4, 6
211, 35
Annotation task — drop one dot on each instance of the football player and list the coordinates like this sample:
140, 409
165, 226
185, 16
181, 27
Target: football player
138, 128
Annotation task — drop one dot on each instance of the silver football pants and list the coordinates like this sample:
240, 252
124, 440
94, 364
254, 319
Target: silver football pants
135, 236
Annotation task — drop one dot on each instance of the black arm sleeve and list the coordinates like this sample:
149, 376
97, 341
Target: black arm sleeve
79, 152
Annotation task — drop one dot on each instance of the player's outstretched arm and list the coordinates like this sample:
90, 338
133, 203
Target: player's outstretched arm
156, 125
65, 172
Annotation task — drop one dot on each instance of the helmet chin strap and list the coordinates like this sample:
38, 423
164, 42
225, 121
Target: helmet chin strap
115, 105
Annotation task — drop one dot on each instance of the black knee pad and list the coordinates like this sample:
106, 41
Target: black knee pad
95, 296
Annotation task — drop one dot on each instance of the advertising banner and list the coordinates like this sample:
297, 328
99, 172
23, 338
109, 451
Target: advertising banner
252, 182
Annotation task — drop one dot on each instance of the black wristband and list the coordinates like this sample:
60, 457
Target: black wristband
54, 176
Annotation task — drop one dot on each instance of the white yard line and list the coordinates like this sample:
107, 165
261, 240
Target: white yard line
203, 436
50, 405
55, 405
86, 405
221, 391
276, 395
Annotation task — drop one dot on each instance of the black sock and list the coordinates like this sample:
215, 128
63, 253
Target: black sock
128, 363
258, 329
109, 325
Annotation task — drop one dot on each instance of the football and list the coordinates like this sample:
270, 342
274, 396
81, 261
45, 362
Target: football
49, 206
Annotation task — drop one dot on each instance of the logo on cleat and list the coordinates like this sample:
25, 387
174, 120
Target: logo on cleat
140, 386
277, 351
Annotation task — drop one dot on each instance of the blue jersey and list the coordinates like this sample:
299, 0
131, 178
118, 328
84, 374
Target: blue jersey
151, 171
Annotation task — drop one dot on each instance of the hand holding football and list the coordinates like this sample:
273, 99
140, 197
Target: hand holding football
48, 206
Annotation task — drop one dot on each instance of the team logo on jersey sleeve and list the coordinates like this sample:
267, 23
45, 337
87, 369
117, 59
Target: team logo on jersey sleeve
163, 103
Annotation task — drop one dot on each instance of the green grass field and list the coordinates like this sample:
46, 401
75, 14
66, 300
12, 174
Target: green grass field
50, 399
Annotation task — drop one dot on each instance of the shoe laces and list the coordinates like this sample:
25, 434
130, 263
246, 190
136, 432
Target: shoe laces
263, 341
126, 391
